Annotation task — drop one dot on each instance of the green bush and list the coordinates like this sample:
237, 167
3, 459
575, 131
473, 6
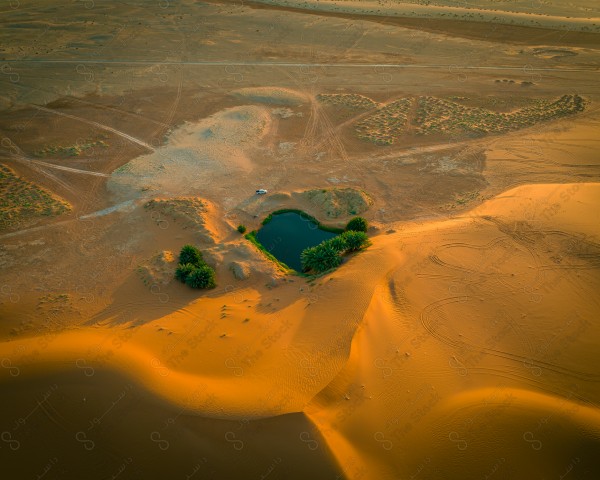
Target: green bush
190, 254
193, 270
337, 243
309, 258
357, 224
201, 277
183, 271
320, 258
355, 240
241, 229
328, 254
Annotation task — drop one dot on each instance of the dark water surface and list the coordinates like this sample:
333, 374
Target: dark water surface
287, 234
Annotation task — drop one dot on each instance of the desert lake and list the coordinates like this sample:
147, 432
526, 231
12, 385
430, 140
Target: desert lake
287, 234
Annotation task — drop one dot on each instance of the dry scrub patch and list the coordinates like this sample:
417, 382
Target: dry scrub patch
387, 124
87, 146
349, 100
22, 201
339, 202
434, 115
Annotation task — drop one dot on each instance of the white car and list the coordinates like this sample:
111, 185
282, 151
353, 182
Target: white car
261, 191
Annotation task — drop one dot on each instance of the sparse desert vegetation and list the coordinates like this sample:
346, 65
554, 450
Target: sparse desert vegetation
21, 201
439, 116
384, 126
338, 202
434, 115
353, 101
70, 150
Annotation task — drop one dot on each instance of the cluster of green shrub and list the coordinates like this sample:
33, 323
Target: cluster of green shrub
328, 254
193, 270
357, 224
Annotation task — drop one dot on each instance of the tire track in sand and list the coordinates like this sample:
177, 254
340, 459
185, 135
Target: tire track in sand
96, 124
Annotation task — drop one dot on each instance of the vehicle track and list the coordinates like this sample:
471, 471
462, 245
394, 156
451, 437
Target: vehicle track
61, 167
96, 124
433, 307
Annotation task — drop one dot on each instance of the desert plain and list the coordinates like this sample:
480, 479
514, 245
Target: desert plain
461, 344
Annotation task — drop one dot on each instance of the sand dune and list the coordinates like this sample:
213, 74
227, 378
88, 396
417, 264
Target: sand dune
400, 385
461, 344
105, 420
403, 369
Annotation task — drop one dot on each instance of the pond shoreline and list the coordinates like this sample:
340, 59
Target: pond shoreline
303, 214
253, 238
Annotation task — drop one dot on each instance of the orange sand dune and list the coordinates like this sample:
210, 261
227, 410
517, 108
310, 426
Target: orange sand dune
461, 344
471, 352
448, 349
79, 424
